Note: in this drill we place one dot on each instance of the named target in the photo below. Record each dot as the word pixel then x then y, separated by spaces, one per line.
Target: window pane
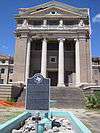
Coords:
pixel 2 70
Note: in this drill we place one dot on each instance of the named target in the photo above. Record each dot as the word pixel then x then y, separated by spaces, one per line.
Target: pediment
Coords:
pixel 53 11
pixel 53 6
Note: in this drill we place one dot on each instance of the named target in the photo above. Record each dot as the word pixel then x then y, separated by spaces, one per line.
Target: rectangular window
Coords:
pixel 3 61
pixel 10 80
pixel 96 71
pixel 52 59
pixel 35 22
pixel 1 81
pixel 53 22
pixel 11 70
pixel 2 70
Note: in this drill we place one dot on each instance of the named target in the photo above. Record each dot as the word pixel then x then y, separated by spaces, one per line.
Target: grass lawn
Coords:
pixel 7 113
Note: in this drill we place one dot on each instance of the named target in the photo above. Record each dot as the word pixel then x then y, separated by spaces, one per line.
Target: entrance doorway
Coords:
pixel 53 75
pixel 68 78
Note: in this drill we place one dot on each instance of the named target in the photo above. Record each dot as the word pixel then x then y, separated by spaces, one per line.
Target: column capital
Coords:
pixel 30 38
pixel 45 39
pixel 61 39
pixel 80 39
pixel 76 39
pixel 24 35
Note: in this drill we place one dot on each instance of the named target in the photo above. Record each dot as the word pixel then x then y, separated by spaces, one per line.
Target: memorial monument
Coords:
pixel 38 93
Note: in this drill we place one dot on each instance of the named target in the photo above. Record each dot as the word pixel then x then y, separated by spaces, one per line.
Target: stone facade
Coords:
pixel 20 58
pixel 85 62
pixel 6 69
pixel 4 64
pixel 61 36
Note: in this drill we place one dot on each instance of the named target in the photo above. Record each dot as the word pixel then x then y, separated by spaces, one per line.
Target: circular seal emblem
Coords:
pixel 38 78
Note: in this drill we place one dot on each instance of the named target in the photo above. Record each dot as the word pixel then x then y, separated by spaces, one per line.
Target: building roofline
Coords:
pixel 83 11
pixel 95 58
pixel 5 57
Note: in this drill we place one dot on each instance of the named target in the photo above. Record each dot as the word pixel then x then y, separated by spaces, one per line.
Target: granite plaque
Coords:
pixel 37 93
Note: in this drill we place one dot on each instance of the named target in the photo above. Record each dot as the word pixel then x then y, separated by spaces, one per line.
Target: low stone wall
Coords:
pixel 77 124
pixel 8 91
pixel 89 90
pixel 14 123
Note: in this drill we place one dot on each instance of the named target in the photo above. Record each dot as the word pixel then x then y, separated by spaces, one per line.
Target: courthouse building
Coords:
pixel 53 39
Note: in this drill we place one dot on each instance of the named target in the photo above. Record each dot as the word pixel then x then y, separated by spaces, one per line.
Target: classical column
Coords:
pixel 27 60
pixel 44 58
pixel 77 62
pixel 61 63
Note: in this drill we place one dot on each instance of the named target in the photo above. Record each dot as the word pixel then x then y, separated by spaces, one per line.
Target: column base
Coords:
pixel 77 84
pixel 61 85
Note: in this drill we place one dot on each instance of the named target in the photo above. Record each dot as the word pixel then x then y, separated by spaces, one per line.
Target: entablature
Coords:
pixel 50 16
pixel 53 34
pixel 54 28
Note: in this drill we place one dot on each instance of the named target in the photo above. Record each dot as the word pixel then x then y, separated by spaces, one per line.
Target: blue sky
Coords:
pixel 9 8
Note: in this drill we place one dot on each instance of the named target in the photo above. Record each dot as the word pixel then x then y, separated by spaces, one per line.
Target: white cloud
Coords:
pixel 96 18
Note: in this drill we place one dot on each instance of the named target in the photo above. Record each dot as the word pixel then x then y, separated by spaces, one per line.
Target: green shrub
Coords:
pixel 91 101
pixel 11 100
pixel 97 95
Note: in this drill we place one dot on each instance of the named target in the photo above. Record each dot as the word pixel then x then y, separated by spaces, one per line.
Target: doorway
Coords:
pixel 53 75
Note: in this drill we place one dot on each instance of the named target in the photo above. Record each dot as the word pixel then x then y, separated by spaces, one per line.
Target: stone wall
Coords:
pixel 85 61
pixel 96 75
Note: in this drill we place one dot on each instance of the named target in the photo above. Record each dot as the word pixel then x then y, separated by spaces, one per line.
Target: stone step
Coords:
pixel 63 97
pixel 5 93
pixel 3 90
pixel 5 96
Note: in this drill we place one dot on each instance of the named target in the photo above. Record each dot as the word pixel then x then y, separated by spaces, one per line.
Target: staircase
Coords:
pixel 5 91
pixel 67 97
pixel 62 97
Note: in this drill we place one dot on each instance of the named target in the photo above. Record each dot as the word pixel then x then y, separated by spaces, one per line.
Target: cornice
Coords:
pixel 81 11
